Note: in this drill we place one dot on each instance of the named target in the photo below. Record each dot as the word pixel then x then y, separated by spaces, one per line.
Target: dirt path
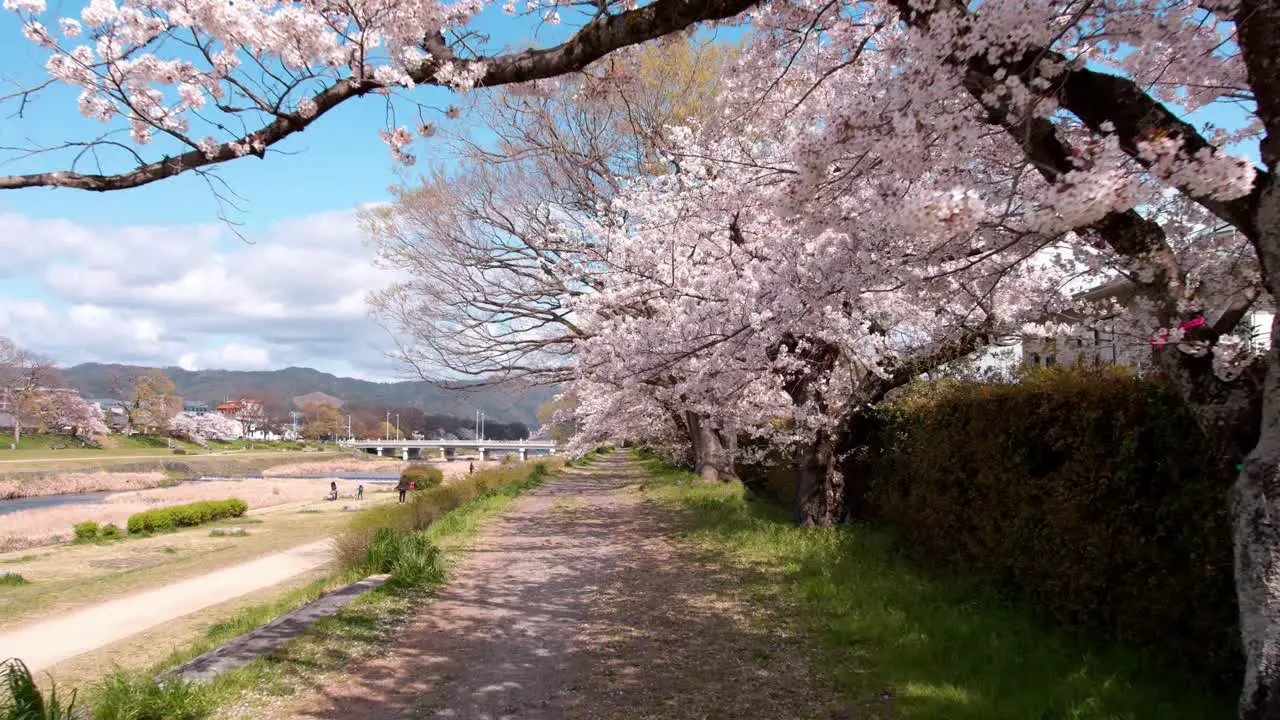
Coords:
pixel 577 605
pixel 51 641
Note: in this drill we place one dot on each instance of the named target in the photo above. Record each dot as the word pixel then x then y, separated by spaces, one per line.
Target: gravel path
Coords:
pixel 577 605
pixel 45 643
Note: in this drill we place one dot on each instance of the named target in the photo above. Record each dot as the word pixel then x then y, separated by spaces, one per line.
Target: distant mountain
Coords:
pixel 93 380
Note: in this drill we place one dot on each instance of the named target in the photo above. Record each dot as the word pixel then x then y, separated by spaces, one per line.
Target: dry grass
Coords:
pixel 345 465
pixel 74 483
pixel 41 526
pixel 76 575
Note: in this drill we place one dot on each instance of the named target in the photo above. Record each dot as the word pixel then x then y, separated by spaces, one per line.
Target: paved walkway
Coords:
pixel 45 643
pixel 577 605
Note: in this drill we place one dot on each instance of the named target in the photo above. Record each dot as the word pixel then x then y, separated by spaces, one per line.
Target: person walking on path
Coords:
pixel 360 491
pixel 403 487
pixel 471 468
pixel 333 489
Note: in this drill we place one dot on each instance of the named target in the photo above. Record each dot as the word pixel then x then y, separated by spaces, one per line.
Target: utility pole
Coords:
pixel 477 433
pixel 386 427
pixel 349 435
pixel 481 425
pixel 398 435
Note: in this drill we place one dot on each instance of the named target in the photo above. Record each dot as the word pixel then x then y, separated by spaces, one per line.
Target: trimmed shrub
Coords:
pixel 110 531
pixel 190 515
pixel 1091 493
pixel 424 477
pixel 85 531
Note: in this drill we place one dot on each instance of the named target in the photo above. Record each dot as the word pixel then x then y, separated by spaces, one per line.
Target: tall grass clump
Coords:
pixel 137 696
pixel 12 579
pixel 409 557
pixel 22 699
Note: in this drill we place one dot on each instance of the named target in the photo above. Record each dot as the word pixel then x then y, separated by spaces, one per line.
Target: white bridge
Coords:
pixel 412 449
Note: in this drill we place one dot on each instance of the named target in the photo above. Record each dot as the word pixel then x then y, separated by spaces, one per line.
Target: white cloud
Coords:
pixel 195 296
pixel 232 356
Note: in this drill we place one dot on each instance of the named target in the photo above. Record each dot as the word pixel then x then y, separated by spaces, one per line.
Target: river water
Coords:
pixel 43 501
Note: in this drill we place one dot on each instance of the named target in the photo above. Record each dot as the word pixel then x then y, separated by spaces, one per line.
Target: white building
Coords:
pixel 1100 345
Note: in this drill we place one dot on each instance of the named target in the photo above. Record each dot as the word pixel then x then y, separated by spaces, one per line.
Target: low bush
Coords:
pixel 86 531
pixel 409 557
pixel 1091 493
pixel 110 532
pixel 12 579
pixel 424 508
pixel 189 515
pixel 179 451
pixel 423 477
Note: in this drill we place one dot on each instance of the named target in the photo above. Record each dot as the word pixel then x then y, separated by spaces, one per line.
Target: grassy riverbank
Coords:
pixel 330 645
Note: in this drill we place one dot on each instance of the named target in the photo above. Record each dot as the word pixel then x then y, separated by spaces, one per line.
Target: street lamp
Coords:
pixel 386 427
pixel 482 425
pixel 398 435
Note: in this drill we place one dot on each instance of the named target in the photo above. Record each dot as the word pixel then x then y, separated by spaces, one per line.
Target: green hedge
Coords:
pixel 423 477
pixel 87 530
pixel 190 515
pixel 1091 493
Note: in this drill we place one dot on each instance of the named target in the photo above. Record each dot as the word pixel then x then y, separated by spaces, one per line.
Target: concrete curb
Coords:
pixel 260 641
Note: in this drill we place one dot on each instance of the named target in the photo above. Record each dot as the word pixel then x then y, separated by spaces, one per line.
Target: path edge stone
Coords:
pixel 241 651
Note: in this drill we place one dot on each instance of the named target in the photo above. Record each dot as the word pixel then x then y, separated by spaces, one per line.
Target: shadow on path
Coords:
pixel 575 605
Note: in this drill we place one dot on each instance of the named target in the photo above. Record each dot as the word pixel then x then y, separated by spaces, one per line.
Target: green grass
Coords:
pixel 11 579
pixel 22 559
pixel 942 648
pixel 358 630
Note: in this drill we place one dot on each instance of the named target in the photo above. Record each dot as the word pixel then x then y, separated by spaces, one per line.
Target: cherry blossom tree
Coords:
pixel 494 251
pixel 1001 144
pixel 83 419
pixel 209 426
pixel 25 381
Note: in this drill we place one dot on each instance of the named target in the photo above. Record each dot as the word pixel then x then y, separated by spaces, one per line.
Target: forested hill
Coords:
pixel 93 380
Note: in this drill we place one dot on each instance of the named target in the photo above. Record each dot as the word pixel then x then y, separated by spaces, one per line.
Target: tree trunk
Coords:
pixel 819 484
pixel 1255 498
pixel 1255 514
pixel 858 449
pixel 714 448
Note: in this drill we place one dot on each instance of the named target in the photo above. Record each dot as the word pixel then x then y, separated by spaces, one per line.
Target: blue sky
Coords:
pixel 150 275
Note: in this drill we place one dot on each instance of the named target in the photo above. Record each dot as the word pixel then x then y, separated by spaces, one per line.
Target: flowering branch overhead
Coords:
pixel 285 65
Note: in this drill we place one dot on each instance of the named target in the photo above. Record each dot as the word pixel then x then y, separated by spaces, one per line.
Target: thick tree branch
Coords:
pixel 1099 99
pixel 598 38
